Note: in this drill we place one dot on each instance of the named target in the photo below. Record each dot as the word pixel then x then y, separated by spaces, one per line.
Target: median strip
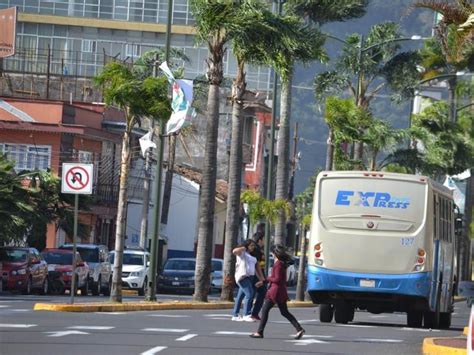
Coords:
pixel 144 306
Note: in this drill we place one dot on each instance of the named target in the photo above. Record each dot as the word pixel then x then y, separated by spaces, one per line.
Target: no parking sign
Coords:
pixel 77 178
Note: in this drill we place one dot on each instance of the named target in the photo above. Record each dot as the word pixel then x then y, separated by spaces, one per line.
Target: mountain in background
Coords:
pixel 309 113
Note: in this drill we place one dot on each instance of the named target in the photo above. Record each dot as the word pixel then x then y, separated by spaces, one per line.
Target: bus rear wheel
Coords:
pixel 326 312
pixel 445 320
pixel 414 319
pixel 343 313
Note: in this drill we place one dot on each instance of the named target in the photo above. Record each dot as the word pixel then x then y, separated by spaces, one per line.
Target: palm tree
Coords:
pixel 453 48
pixel 215 21
pixel 358 72
pixel 258 30
pixel 125 89
pixel 317 12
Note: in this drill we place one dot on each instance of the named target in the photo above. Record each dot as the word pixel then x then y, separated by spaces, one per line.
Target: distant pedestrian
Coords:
pixel 277 293
pixel 244 274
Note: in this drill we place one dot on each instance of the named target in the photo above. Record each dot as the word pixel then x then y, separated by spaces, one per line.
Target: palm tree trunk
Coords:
pixel 146 196
pixel 207 199
pixel 234 185
pixel 116 293
pixel 283 164
pixel 330 150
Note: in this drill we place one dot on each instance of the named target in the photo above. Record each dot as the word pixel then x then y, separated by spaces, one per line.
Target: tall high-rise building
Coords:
pixel 78 36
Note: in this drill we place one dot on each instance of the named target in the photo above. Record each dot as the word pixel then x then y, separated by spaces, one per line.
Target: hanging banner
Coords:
pixel 7 32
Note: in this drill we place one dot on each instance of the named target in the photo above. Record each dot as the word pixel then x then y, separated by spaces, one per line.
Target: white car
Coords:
pixel 217 274
pixel 134 269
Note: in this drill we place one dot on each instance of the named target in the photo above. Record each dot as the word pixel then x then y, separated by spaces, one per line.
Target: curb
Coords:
pixel 430 348
pixel 144 306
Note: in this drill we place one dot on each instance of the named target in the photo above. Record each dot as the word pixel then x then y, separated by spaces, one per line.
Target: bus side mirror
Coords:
pixel 458 224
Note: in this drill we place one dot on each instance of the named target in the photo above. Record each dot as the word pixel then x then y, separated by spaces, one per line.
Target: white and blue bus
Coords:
pixel 382 242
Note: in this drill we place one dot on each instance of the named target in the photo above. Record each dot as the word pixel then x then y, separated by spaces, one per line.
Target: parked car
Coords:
pixel 134 269
pixel 290 272
pixel 177 275
pixel 100 270
pixel 60 260
pixel 217 266
pixel 23 270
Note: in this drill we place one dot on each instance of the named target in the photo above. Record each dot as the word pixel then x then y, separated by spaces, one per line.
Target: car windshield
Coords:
pixel 216 265
pixel 183 265
pixel 89 255
pixel 129 259
pixel 13 255
pixel 58 258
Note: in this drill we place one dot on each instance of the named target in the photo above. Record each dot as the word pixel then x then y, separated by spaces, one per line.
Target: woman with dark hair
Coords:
pixel 244 275
pixel 277 293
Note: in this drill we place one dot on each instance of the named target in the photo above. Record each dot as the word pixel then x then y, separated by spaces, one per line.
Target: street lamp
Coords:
pixel 269 190
pixel 154 257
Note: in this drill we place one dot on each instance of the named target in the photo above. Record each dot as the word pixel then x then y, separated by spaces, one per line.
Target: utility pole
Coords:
pixel 146 190
pixel 271 154
pixel 154 260
pixel 291 229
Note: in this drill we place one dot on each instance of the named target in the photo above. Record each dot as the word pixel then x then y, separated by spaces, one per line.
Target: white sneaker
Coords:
pixel 248 318
pixel 237 319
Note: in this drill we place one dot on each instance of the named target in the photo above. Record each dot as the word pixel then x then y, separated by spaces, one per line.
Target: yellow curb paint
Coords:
pixel 143 306
pixel 430 348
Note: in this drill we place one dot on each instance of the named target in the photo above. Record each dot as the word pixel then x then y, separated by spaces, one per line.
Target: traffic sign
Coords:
pixel 77 178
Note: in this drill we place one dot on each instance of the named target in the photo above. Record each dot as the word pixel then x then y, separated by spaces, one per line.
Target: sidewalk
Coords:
pixel 446 346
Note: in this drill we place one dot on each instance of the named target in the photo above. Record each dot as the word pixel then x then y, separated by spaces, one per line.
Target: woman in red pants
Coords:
pixel 277 293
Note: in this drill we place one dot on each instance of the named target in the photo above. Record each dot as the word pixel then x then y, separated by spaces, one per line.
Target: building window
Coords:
pixel 28 157
pixel 88 46
pixel 85 157
pixel 132 50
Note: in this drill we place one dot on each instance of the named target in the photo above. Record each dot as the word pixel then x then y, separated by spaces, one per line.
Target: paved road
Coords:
pixel 24 331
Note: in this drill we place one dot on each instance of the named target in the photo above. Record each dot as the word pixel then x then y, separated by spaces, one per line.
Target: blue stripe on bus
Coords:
pixel 414 284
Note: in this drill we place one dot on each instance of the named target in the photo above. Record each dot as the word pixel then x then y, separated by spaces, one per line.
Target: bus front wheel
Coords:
pixel 445 320
pixel 326 312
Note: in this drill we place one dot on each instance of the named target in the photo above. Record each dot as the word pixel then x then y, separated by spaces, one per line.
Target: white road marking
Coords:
pixel 378 316
pixel 3 306
pixel 66 332
pixel 354 325
pixel 307 341
pixel 8 301
pixel 219 318
pixel 169 330
pixel 420 329
pixel 154 350
pixel 169 315
pixel 232 333
pixel 17 325
pixel 19 310
pixel 218 315
pixel 316 336
pixel 111 313
pixel 379 340
pixel 186 337
pixel 92 327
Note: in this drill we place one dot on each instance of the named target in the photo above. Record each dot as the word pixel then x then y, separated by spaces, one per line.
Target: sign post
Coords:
pixel 76 179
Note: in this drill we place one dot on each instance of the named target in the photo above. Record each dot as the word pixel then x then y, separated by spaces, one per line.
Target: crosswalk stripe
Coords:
pixel 92 327
pixel 169 330
pixel 154 350
pixel 17 325
pixel 186 337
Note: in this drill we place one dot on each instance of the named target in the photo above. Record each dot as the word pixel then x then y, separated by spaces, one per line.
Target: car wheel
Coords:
pixel 96 290
pixel 85 288
pixel 29 284
pixel 143 291
pixel 108 289
pixel 45 288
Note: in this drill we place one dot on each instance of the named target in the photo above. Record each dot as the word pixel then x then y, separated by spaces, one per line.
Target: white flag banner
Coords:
pixel 464 175
pixel 146 143
pixel 458 195
pixel 167 71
